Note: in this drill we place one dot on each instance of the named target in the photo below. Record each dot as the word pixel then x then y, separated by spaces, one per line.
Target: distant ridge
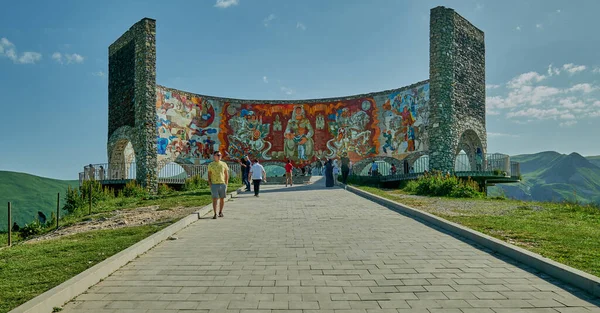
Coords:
pixel 28 195
pixel 551 176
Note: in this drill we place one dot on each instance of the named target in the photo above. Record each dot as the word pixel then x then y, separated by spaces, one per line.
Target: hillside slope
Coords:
pixel 551 176
pixel 595 159
pixel 28 195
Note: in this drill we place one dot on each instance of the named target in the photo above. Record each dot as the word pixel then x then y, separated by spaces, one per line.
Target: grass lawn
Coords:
pixel 27 271
pixel 198 198
pixel 566 233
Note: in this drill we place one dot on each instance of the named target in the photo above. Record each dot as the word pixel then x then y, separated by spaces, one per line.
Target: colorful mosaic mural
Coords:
pixel 191 127
pixel 300 132
pixel 184 127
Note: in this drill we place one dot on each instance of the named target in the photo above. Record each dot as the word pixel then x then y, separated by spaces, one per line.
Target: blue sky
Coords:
pixel 543 72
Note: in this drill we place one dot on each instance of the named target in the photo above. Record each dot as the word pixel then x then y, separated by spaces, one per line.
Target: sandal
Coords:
pixel 215 217
pixel 220 214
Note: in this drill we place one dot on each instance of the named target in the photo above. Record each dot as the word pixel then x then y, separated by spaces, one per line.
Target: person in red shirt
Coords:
pixel 288 173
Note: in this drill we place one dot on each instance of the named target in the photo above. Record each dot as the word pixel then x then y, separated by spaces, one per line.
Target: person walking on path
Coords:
pixel 329 173
pixel 288 173
pixel 218 178
pixel 245 163
pixel 258 175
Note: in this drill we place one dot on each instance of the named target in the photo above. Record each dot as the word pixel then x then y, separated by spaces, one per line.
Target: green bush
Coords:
pixel 134 190
pixel 361 180
pixel 194 183
pixel 235 180
pixel 73 201
pixel 437 184
pixel 31 229
pixel 164 189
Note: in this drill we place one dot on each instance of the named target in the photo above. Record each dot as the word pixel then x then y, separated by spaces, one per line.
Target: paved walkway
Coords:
pixel 309 249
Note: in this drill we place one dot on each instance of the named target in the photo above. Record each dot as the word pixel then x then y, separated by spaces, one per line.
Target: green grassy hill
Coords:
pixel 551 176
pixel 595 159
pixel 29 194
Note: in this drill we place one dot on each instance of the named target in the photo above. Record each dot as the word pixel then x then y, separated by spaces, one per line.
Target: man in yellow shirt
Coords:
pixel 218 178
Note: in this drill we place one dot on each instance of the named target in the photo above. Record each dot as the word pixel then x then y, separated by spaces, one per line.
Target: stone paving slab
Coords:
pixel 307 249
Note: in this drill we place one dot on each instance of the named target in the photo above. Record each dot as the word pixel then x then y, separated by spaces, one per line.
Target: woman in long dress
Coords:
pixel 329 174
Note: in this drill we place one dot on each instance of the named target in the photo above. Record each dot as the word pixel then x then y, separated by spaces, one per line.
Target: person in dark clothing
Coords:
pixel 345 168
pixel 329 174
pixel 245 163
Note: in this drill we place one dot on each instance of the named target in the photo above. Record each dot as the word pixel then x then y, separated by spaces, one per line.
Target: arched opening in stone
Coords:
pixel 421 164
pixel 171 172
pixel 383 167
pixel 274 170
pixel 122 161
pixel 473 155
pixel 462 162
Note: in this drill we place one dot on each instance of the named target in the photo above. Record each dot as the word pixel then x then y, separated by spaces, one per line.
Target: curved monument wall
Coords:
pixel 391 123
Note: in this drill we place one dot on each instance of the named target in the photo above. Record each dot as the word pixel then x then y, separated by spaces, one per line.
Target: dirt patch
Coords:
pixel 119 219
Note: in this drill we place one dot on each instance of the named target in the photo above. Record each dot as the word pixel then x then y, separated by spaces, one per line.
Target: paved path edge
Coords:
pixel 567 274
pixel 67 291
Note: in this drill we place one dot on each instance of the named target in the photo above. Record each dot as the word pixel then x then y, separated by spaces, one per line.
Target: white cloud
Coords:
pixel 268 19
pixel 491 112
pixel 8 49
pixel 478 7
pixel 265 79
pixel 596 70
pixel 69 58
pixel 558 11
pixel 538 113
pixel 491 86
pixel 223 4
pixel 571 103
pixel 99 74
pixel 501 135
pixel 553 70
pixel 585 88
pixel 74 58
pixel 287 91
pixel 57 57
pixel 596 103
pixel 300 26
pixel 539 26
pixel 525 79
pixel 568 123
pixel 572 68
pixel 29 58
pixel 518 28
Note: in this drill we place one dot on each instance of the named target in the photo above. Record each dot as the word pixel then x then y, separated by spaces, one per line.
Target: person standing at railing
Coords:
pixel 101 173
pixel 218 178
pixel 394 169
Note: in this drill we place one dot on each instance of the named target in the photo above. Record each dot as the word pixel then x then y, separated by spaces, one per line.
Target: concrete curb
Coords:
pixel 567 274
pixel 65 292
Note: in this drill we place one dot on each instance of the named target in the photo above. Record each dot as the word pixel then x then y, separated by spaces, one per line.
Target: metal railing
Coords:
pixel 169 173
pixel 491 164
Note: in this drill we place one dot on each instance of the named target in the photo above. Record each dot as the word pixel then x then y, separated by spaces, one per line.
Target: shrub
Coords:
pixel 164 189
pixel 31 229
pixel 73 201
pixel 437 184
pixel 194 183
pixel 235 180
pixel 134 190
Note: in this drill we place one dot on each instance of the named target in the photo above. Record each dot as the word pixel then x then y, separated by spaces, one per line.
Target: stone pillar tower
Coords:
pixel 132 104
pixel 457 89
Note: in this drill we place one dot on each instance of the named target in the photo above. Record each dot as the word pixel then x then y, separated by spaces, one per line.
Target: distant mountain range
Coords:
pixel 551 176
pixel 29 194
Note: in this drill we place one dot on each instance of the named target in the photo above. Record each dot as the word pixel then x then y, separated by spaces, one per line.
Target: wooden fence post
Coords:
pixel 57 209
pixel 9 226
